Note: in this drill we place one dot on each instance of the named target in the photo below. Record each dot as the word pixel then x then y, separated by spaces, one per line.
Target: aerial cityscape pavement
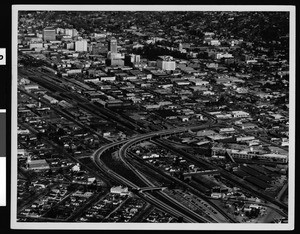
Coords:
pixel 153 117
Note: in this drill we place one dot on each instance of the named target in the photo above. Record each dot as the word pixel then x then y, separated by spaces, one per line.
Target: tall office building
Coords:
pixel 49 34
pixel 113 57
pixel 81 45
pixel 112 45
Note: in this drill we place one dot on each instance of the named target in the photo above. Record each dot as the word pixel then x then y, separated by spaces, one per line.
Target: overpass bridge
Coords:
pixel 150 189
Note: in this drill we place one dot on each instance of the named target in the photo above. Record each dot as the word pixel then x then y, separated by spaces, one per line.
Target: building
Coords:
pixel 22 152
pixel 208 34
pixel 214 43
pixel 71 32
pixel 76 168
pixel 81 46
pixel 50 99
pixel 223 55
pixel 182 82
pixel 151 156
pixel 112 45
pixel 36 45
pixel 49 34
pixel 240 114
pixel 249 153
pixel 74 71
pixel 183 118
pixel 131 59
pixel 217 195
pixel 226 130
pixel 108 78
pixel 30 87
pixel 166 63
pixel 40 164
pixel 113 57
pixel 96 48
pixel 212 65
pixel 200 82
pixel 119 190
pixel 82 194
pixel 115 62
pixel 70 46
pixel 245 138
pixel 248 126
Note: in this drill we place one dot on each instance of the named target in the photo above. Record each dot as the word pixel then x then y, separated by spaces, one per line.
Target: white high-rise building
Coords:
pixel 81 45
pixel 166 63
pixel 71 32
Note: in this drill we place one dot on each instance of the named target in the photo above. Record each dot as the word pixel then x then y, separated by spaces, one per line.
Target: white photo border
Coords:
pixel 158 226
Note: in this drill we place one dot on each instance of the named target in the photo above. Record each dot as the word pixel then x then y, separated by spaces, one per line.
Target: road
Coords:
pixel 51 82
pixel 122 155
pixel 185 186
pixel 148 136
pixel 124 181
pixel 125 144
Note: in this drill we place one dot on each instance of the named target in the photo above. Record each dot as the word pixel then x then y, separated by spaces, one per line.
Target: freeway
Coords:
pixel 122 156
pixel 226 174
pixel 123 153
pixel 183 185
pixel 51 82
pixel 97 159
pixel 149 183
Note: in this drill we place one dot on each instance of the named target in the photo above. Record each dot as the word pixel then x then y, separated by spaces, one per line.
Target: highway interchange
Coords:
pixel 158 198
